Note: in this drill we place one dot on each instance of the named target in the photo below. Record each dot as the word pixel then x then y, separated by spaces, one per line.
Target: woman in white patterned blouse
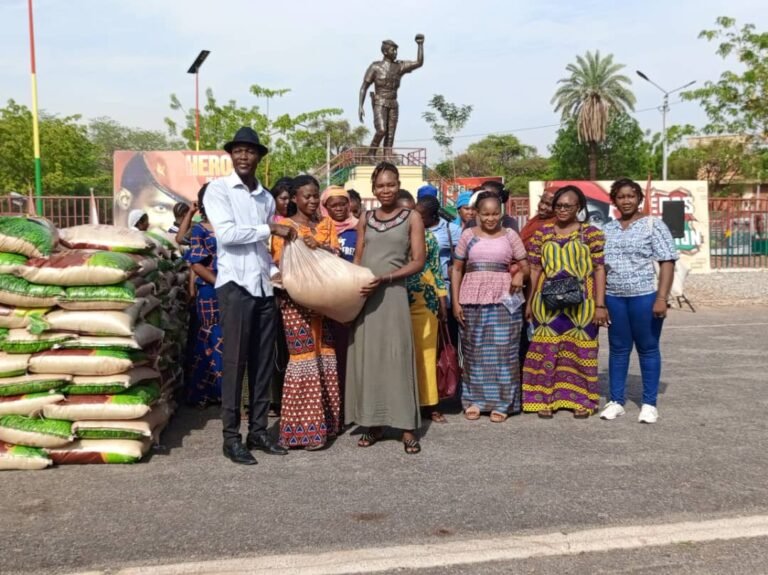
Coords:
pixel 637 307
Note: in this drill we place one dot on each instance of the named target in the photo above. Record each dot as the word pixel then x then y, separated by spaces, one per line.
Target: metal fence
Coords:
pixel 737 233
pixel 63 211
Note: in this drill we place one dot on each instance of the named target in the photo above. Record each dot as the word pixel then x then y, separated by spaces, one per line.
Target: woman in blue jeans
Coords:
pixel 636 307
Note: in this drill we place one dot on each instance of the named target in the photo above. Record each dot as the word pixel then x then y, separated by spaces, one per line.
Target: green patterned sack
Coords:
pixel 79 268
pixel 21 341
pixel 130 404
pixel 32 383
pixel 21 457
pixel 12 365
pixel 29 404
pixel 113 297
pixel 35 432
pixel 110 384
pixel 26 236
pixel 10 263
pixel 19 292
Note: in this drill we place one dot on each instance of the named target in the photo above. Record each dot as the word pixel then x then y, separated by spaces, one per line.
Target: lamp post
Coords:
pixel 35 123
pixel 664 110
pixel 195 69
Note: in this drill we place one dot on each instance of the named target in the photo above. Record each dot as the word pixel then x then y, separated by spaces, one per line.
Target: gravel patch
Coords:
pixel 728 288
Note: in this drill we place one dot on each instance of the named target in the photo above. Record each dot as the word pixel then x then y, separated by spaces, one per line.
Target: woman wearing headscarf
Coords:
pixel 138 219
pixel 466 212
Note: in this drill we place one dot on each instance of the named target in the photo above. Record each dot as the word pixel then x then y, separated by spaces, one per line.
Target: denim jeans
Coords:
pixel 633 324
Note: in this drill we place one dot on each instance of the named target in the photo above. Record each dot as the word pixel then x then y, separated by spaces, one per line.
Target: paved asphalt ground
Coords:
pixel 705 459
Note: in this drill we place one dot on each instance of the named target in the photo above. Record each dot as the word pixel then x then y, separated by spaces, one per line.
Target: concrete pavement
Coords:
pixel 704 460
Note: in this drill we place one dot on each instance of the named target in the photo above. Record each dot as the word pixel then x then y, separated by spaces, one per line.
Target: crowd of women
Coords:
pixel 525 308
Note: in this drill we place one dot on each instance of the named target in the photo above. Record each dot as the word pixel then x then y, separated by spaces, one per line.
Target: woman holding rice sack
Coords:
pixel 310 408
pixel 207 360
pixel 490 327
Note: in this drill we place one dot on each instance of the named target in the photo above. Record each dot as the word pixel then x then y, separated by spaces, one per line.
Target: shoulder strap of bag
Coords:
pixel 450 243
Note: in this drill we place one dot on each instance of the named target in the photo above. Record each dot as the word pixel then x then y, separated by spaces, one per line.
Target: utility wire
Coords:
pixel 528 129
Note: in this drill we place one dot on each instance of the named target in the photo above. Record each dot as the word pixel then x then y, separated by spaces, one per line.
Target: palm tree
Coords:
pixel 592 93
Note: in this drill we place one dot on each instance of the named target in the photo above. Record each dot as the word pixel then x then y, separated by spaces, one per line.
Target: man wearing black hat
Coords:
pixel 241 213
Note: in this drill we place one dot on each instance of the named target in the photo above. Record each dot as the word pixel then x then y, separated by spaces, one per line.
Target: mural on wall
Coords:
pixel 694 194
pixel 156 181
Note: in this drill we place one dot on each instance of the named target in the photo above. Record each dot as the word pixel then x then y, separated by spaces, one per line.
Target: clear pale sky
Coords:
pixel 122 58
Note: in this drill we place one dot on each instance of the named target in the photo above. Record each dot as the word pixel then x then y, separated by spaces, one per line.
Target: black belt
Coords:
pixel 487 267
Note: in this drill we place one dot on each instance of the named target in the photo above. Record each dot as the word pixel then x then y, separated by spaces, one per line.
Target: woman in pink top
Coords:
pixel 490 332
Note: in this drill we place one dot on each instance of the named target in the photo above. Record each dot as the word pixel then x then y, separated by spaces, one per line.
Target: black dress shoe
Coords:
pixel 237 453
pixel 265 443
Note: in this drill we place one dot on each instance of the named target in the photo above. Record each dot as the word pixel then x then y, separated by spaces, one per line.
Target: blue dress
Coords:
pixel 348 244
pixel 205 369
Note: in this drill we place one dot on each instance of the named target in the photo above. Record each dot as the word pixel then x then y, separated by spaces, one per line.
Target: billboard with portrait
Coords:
pixel 156 181
pixel 694 194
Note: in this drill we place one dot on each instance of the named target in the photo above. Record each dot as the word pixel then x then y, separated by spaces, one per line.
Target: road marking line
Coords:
pixel 666 327
pixel 467 552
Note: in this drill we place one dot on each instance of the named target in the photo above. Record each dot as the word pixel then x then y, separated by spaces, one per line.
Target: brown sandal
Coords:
pixel 545 414
pixel 498 417
pixel 438 417
pixel 472 413
pixel 581 413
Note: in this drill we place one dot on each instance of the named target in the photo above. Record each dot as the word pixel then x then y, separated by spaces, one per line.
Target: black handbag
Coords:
pixel 558 294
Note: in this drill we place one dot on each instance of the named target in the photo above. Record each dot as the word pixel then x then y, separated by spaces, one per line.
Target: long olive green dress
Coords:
pixel 382 388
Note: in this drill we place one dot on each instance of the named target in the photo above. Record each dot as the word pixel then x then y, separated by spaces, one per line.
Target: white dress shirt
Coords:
pixel 240 218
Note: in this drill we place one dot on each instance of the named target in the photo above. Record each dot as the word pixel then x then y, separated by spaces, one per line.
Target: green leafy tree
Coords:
pixel 109 136
pixel 446 120
pixel 624 152
pixel 738 102
pixel 285 135
pixel 499 155
pixel 722 161
pixel 589 96
pixel 69 158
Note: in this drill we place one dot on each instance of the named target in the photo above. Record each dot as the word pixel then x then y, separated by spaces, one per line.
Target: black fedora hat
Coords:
pixel 246 135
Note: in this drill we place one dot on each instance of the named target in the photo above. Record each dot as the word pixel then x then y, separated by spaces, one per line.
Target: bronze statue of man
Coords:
pixel 385 76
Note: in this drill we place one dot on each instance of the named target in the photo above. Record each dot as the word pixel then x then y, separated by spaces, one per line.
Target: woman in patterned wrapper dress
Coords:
pixel 205 370
pixel 310 405
pixel 560 370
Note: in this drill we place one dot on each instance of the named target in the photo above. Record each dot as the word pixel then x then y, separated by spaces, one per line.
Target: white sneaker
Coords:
pixel 648 414
pixel 612 410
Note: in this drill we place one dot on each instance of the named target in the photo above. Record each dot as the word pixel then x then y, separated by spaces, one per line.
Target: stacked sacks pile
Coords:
pixel 79 377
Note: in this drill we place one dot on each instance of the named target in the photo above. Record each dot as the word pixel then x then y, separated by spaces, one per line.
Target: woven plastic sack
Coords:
pixel 85 298
pixel 35 432
pixel 20 293
pixel 90 451
pixel 323 282
pixel 79 268
pixel 103 237
pixel 32 383
pixel 31 237
pixel 111 323
pixel 21 341
pixel 29 404
pixel 85 361
pixel 109 384
pixel 130 404
pixel 10 263
pixel 13 365
pixel 147 426
pixel 144 337
pixel 12 316
pixel 21 457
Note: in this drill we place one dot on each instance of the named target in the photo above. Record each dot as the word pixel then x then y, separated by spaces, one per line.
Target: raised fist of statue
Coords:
pixel 419 38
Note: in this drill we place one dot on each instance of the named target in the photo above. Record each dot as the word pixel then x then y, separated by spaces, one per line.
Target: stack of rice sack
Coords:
pixel 78 360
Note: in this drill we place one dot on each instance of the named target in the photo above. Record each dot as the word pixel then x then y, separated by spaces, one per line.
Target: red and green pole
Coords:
pixel 35 124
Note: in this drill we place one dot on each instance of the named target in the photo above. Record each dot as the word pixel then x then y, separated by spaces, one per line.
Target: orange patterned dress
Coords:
pixel 310 410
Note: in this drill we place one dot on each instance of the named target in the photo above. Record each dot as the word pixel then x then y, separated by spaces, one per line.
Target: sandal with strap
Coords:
pixel 411 446
pixel 438 417
pixel 472 413
pixel 498 417
pixel 369 438
pixel 582 413
pixel 545 413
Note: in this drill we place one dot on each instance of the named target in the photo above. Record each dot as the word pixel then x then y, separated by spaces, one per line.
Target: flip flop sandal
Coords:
pixel 498 417
pixel 438 417
pixel 368 439
pixel 472 413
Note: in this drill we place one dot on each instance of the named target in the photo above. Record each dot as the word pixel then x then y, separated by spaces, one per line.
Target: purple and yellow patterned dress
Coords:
pixel 560 370
pixel 205 369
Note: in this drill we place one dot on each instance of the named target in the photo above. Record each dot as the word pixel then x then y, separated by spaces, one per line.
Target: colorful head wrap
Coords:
pixel 337 192
pixel 463 200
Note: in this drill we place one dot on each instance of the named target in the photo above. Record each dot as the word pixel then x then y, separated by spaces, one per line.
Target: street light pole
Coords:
pixel 664 110
pixel 195 69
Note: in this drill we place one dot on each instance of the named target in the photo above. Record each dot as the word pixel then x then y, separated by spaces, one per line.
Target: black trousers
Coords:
pixel 249 327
